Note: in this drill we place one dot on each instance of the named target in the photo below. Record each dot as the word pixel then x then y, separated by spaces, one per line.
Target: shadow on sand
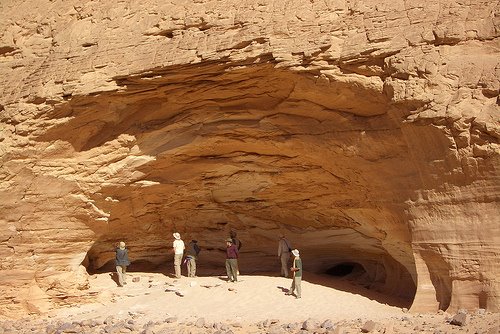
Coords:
pixel 329 281
pixel 357 289
pixel 344 285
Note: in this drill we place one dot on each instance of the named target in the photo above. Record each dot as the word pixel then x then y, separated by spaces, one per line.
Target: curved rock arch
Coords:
pixel 260 155
pixel 368 131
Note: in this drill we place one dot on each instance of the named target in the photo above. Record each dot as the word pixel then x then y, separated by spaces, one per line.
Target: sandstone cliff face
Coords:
pixel 367 131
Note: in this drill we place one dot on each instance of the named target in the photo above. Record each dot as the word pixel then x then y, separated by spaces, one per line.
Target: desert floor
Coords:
pixel 157 303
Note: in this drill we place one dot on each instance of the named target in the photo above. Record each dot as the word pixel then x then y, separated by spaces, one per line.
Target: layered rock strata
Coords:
pixel 367 131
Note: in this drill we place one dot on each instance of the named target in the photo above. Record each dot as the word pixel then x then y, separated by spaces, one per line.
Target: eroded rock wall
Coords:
pixel 367 131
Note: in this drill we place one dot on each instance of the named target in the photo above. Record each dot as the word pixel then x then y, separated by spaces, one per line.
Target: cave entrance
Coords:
pixel 346 269
pixel 372 282
pixel 140 265
pixel 187 148
pixel 144 254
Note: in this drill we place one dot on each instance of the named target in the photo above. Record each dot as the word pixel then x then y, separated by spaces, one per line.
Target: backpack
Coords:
pixel 237 243
pixel 288 246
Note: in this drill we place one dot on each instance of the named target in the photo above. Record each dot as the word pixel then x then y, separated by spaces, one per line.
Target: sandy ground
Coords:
pixel 251 299
pixel 156 303
pixel 255 304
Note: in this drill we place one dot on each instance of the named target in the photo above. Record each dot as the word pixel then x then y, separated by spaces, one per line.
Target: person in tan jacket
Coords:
pixel 284 249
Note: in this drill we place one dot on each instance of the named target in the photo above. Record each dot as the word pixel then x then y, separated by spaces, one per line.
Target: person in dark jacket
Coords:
pixel 235 240
pixel 121 262
pixel 191 256
pixel 231 261
pixel 237 243
pixel 284 250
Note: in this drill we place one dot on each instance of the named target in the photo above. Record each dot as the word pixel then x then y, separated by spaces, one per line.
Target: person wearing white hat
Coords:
pixel 121 262
pixel 178 248
pixel 297 274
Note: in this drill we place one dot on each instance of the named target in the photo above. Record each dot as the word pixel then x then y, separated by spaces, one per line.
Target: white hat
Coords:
pixel 177 235
pixel 295 252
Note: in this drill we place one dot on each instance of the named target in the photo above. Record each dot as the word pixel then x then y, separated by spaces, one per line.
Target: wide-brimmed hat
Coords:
pixel 122 245
pixel 229 240
pixel 177 235
pixel 295 252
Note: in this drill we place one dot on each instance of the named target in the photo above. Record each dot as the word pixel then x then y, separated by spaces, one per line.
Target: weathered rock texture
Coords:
pixel 368 131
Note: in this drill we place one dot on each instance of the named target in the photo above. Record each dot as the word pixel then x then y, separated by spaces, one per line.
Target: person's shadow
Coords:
pixel 114 277
pixel 223 278
pixel 283 289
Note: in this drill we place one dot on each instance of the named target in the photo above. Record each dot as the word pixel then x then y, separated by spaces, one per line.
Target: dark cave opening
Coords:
pixel 139 265
pixel 100 258
pixel 345 269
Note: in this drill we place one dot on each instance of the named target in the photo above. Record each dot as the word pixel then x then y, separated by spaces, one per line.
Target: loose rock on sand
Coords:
pixel 257 304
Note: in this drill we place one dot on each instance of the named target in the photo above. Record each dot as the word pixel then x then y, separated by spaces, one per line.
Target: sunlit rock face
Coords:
pixel 366 131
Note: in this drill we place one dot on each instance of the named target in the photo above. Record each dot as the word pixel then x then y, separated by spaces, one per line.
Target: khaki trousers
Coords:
pixel 177 265
pixel 191 266
pixel 285 258
pixel 122 274
pixel 296 286
pixel 232 269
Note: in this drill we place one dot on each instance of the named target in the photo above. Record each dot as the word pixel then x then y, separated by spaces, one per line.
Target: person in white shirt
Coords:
pixel 178 248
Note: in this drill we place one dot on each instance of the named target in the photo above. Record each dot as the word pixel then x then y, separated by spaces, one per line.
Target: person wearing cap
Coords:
pixel 121 262
pixel 231 261
pixel 235 240
pixel 178 249
pixel 191 255
pixel 284 250
pixel 297 274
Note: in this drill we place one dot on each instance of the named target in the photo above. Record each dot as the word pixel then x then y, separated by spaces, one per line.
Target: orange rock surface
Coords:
pixel 366 131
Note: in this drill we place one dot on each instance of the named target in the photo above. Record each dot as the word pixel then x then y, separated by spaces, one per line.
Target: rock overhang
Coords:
pixel 427 91
pixel 212 145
